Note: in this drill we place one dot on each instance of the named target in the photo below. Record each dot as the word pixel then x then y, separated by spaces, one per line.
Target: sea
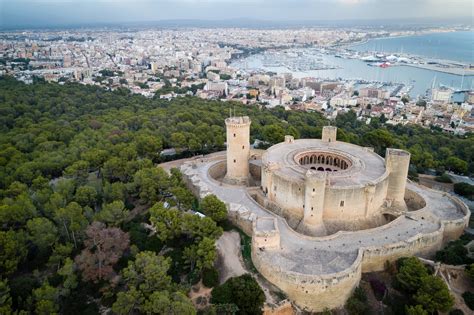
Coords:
pixel 456 46
pixel 419 79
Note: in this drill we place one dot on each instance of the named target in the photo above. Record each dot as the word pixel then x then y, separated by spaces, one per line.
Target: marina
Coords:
pixel 344 65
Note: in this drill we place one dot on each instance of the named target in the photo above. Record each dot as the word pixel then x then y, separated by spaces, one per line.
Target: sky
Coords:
pixel 66 12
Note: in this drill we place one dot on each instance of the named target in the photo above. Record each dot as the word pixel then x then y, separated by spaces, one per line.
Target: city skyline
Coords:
pixel 44 13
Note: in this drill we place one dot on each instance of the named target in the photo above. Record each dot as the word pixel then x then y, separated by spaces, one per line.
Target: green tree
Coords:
pixel 114 191
pixel 65 188
pixel 167 222
pixel 149 288
pixel 73 220
pixel 16 211
pixel 115 169
pixel 148 146
pixel 415 310
pixel 197 228
pixel 59 255
pixel 78 171
pixel 42 232
pixel 210 277
pixel 357 303
pixel 5 298
pixel 69 277
pixel 150 184
pixel 12 250
pixel 434 295
pixel 214 208
pixel 456 165
pixel 113 213
pixel 242 291
pixel 86 196
pixel 178 140
pixel 410 274
pixel 465 190
pixel 470 271
pixel 273 133
pixel 162 302
pixel 46 298
pixel 201 255
pixel 184 198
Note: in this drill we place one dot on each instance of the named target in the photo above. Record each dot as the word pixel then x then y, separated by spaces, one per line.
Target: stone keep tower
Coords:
pixel 397 163
pixel 314 193
pixel 238 150
pixel 329 134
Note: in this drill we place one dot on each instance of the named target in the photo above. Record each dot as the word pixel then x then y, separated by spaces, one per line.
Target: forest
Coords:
pixel 87 220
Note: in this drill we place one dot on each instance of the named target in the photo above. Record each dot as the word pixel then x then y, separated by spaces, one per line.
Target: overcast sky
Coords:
pixel 63 12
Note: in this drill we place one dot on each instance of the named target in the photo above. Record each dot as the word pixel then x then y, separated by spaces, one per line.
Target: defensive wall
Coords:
pixel 294 197
pixel 315 290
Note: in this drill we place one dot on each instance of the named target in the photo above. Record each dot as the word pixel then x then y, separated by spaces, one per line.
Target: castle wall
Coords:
pixel 311 292
pixel 356 203
pixel 287 194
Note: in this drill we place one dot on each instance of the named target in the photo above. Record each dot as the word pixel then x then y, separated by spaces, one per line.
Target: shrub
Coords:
pixel 242 291
pixel 455 253
pixel 210 277
pixel 470 271
pixel 357 303
pixel 443 178
pixel 469 299
pixel 465 190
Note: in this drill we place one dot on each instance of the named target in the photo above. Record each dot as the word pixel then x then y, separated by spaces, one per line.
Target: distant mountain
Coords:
pixel 260 23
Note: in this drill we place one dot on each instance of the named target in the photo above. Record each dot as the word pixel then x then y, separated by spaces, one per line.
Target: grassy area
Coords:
pixel 246 248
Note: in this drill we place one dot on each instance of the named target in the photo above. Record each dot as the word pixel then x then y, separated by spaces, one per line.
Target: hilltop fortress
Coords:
pixel 321 212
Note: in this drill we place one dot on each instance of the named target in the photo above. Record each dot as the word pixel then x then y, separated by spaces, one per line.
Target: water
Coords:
pixel 458 46
pixel 421 79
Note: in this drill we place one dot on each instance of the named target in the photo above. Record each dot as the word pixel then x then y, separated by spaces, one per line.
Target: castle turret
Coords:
pixel 315 188
pixel 238 150
pixel 329 134
pixel 397 163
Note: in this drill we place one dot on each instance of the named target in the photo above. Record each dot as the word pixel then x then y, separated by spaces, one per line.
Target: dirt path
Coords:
pixel 229 262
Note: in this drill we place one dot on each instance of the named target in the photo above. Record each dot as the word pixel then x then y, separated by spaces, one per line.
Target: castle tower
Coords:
pixel 329 134
pixel 315 187
pixel 397 163
pixel 238 150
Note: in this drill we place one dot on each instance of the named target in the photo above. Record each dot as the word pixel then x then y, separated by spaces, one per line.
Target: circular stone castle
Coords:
pixel 321 212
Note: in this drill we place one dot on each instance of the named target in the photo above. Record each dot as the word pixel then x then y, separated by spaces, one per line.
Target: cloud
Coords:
pixel 47 12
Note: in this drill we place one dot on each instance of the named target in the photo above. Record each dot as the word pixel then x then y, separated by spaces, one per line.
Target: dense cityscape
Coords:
pixel 236 157
pixel 176 63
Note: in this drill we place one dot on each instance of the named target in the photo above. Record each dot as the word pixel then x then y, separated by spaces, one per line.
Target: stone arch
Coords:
pixel 328 169
pixel 320 168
